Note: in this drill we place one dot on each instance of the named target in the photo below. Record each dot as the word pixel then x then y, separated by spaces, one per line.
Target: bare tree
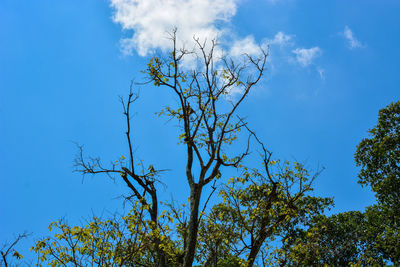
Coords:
pixel 206 115
pixel 142 185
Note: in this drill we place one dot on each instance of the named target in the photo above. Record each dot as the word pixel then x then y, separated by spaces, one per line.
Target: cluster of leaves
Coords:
pixel 129 240
pixel 256 209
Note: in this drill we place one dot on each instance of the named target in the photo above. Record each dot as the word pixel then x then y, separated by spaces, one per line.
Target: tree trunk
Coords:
pixel 190 249
pixel 160 259
pixel 255 248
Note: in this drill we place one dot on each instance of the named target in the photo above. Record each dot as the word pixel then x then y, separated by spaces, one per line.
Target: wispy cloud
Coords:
pixel 321 73
pixel 279 39
pixel 247 45
pixel 351 39
pixel 152 20
pixel 306 56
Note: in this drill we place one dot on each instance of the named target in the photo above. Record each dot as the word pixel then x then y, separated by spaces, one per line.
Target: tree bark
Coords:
pixel 190 249
pixel 255 248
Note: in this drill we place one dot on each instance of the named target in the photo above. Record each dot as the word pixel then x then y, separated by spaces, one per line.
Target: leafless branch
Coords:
pixel 6 248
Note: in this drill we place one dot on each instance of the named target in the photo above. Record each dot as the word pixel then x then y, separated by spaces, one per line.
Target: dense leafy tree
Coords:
pixel 379 157
pixel 338 240
pixel 356 238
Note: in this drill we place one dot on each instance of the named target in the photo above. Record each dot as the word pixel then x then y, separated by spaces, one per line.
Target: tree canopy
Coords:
pixel 366 238
pixel 379 159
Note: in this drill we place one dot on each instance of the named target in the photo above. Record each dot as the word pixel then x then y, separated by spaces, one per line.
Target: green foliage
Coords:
pixel 127 241
pixel 338 240
pixel 383 232
pixel 17 255
pixel 251 205
pixel 255 211
pixel 370 238
pixel 379 156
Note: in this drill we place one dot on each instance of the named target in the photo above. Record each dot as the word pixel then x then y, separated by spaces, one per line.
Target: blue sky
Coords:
pixel 63 64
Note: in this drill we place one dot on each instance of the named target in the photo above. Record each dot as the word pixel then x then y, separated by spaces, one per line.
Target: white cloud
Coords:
pixel 149 23
pixel 280 39
pixel 249 46
pixel 152 20
pixel 246 45
pixel 352 41
pixel 305 56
